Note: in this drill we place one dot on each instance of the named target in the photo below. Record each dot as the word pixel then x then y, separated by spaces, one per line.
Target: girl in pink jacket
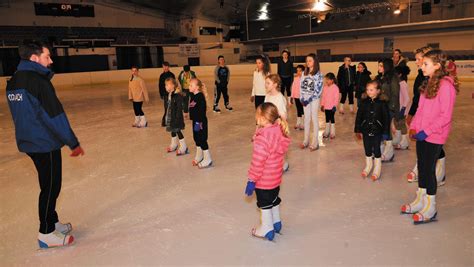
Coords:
pixel 430 127
pixel 329 101
pixel 270 145
pixel 295 97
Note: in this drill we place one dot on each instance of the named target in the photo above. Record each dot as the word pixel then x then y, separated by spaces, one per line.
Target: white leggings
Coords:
pixel 311 114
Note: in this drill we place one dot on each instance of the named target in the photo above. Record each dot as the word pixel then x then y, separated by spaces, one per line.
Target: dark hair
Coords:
pixel 186 68
pixel 266 64
pixel 31 47
pixel 377 85
pixel 388 71
pixel 315 67
pixel 219 57
pixel 403 71
pixel 133 67
pixel 286 51
pixel 398 50
pixel 347 56
pixel 165 63
pixel 330 76
pixel 365 68
pixel 301 67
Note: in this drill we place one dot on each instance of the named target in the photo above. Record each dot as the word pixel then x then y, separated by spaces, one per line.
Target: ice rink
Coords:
pixel 131 203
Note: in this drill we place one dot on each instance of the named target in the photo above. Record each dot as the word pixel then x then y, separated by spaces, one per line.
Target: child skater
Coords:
pixel 258 88
pixel 197 112
pixel 174 117
pixel 372 125
pixel 329 100
pixel 311 89
pixel 272 87
pixel 222 77
pixel 430 127
pixel 295 97
pixel 137 93
pixel 400 138
pixel 270 145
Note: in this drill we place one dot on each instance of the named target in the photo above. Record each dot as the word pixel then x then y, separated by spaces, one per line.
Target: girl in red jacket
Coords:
pixel 270 145
pixel 430 127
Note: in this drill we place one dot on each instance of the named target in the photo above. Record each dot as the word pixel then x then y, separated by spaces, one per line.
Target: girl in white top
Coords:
pixel 258 89
pixel 311 89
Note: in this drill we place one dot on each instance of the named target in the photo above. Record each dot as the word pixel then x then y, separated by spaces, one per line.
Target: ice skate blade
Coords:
pixel 432 219
pixel 182 154
pixel 268 236
pixel 205 167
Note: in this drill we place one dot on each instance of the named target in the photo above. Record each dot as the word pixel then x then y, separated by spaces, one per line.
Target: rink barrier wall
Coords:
pixel 466 73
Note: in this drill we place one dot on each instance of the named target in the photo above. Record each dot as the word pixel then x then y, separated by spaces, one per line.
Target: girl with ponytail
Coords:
pixel 270 144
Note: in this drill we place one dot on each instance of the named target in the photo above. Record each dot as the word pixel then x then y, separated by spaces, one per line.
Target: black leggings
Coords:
pixel 299 107
pixel 286 85
pixel 442 154
pixel 427 154
pixel 329 116
pixel 259 99
pixel 49 168
pixel 221 89
pixel 372 145
pixel 137 108
pixel 200 137
pixel 178 133
pixel 268 198
pixel 347 92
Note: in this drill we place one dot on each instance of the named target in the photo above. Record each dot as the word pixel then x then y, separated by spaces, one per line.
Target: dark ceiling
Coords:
pixel 234 11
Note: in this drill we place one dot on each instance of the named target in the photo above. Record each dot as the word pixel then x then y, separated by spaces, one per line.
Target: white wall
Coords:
pixel 22 13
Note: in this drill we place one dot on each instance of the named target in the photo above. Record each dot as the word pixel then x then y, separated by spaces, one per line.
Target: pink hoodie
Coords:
pixel 434 115
pixel 330 97
pixel 269 148
pixel 295 87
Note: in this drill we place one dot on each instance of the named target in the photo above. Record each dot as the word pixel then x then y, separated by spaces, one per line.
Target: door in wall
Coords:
pixel 193 61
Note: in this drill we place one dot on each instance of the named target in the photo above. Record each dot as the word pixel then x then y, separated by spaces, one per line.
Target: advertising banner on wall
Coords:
pixel 465 68
pixel 189 50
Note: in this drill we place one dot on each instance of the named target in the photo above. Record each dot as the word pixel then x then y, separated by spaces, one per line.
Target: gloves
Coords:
pixel 250 188
pixel 334 109
pixel 402 112
pixel 385 137
pixel 197 126
pixel 77 151
pixel 420 136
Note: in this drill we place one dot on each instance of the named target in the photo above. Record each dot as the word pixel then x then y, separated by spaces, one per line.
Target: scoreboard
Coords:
pixel 63 10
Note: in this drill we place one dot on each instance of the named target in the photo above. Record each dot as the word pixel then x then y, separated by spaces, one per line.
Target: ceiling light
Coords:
pixel 319 5
pixel 397 11
pixel 319 21
pixel 263 16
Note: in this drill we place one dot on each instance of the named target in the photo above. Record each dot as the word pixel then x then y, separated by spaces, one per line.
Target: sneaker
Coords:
pixel 216 109
pixel 229 108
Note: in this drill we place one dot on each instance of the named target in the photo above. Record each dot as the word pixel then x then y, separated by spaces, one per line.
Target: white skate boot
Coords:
pixel 417 204
pixel 207 161
pixel 199 157
pixel 369 163
pixel 276 219
pixel 136 123
pixel 377 169
pixel 143 123
pixel 428 213
pixel 333 131
pixel 404 142
pixel 413 175
pixel 182 149
pixel 388 153
pixel 327 130
pixel 65 228
pixel 54 239
pixel 173 146
pixel 265 229
pixel 397 137
pixel 441 171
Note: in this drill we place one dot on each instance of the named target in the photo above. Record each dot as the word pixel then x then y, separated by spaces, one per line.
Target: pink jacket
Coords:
pixel 295 87
pixel 434 115
pixel 404 98
pixel 330 97
pixel 269 149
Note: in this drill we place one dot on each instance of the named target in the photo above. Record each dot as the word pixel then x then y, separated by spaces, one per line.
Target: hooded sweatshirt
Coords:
pixel 269 149
pixel 311 87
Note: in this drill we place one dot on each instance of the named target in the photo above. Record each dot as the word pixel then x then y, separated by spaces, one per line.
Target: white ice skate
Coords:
pixel 276 219
pixel 65 228
pixel 369 162
pixel 199 157
pixel 428 213
pixel 174 145
pixel 416 205
pixel 397 137
pixel 136 123
pixel 377 169
pixel 207 161
pixel 327 130
pixel 413 175
pixel 333 131
pixel 265 229
pixel 441 171
pixel 388 152
pixel 404 142
pixel 182 148
pixel 54 239
pixel 143 122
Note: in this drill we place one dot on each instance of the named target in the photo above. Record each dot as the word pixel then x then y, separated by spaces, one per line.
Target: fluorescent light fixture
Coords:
pixel 319 5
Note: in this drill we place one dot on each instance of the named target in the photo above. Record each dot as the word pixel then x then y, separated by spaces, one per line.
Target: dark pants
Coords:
pixel 267 199
pixel 442 154
pixel 299 107
pixel 286 85
pixel 372 145
pixel 329 116
pixel 165 104
pixel 137 108
pixel 347 92
pixel 427 154
pixel 186 99
pixel 178 133
pixel 259 99
pixel 200 137
pixel 221 89
pixel 49 168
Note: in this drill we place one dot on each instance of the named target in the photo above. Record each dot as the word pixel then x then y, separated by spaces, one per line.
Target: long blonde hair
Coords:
pixel 269 111
pixel 431 87
pixel 177 87
pixel 201 88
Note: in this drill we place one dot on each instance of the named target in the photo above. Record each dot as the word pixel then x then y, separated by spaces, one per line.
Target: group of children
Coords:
pixel 380 121
pixel 382 107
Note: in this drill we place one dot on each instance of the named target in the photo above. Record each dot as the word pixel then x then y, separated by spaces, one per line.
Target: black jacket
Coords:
pixel 161 83
pixel 285 70
pixel 416 92
pixel 174 116
pixel 361 80
pixel 197 107
pixel 372 117
pixel 343 77
pixel 390 90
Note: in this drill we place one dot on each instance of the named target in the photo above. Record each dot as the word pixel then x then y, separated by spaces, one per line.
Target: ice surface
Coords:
pixel 133 204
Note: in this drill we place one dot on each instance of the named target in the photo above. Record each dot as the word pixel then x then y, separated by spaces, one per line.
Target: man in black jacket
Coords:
pixel 41 130
pixel 161 86
pixel 346 81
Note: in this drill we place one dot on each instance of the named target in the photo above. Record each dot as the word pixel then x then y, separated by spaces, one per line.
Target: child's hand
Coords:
pixel 252 98
pixel 78 151
pixel 197 126
pixel 411 134
pixel 250 188
pixel 358 136
pixel 292 101
pixel 322 108
pixel 186 116
pixel 420 136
